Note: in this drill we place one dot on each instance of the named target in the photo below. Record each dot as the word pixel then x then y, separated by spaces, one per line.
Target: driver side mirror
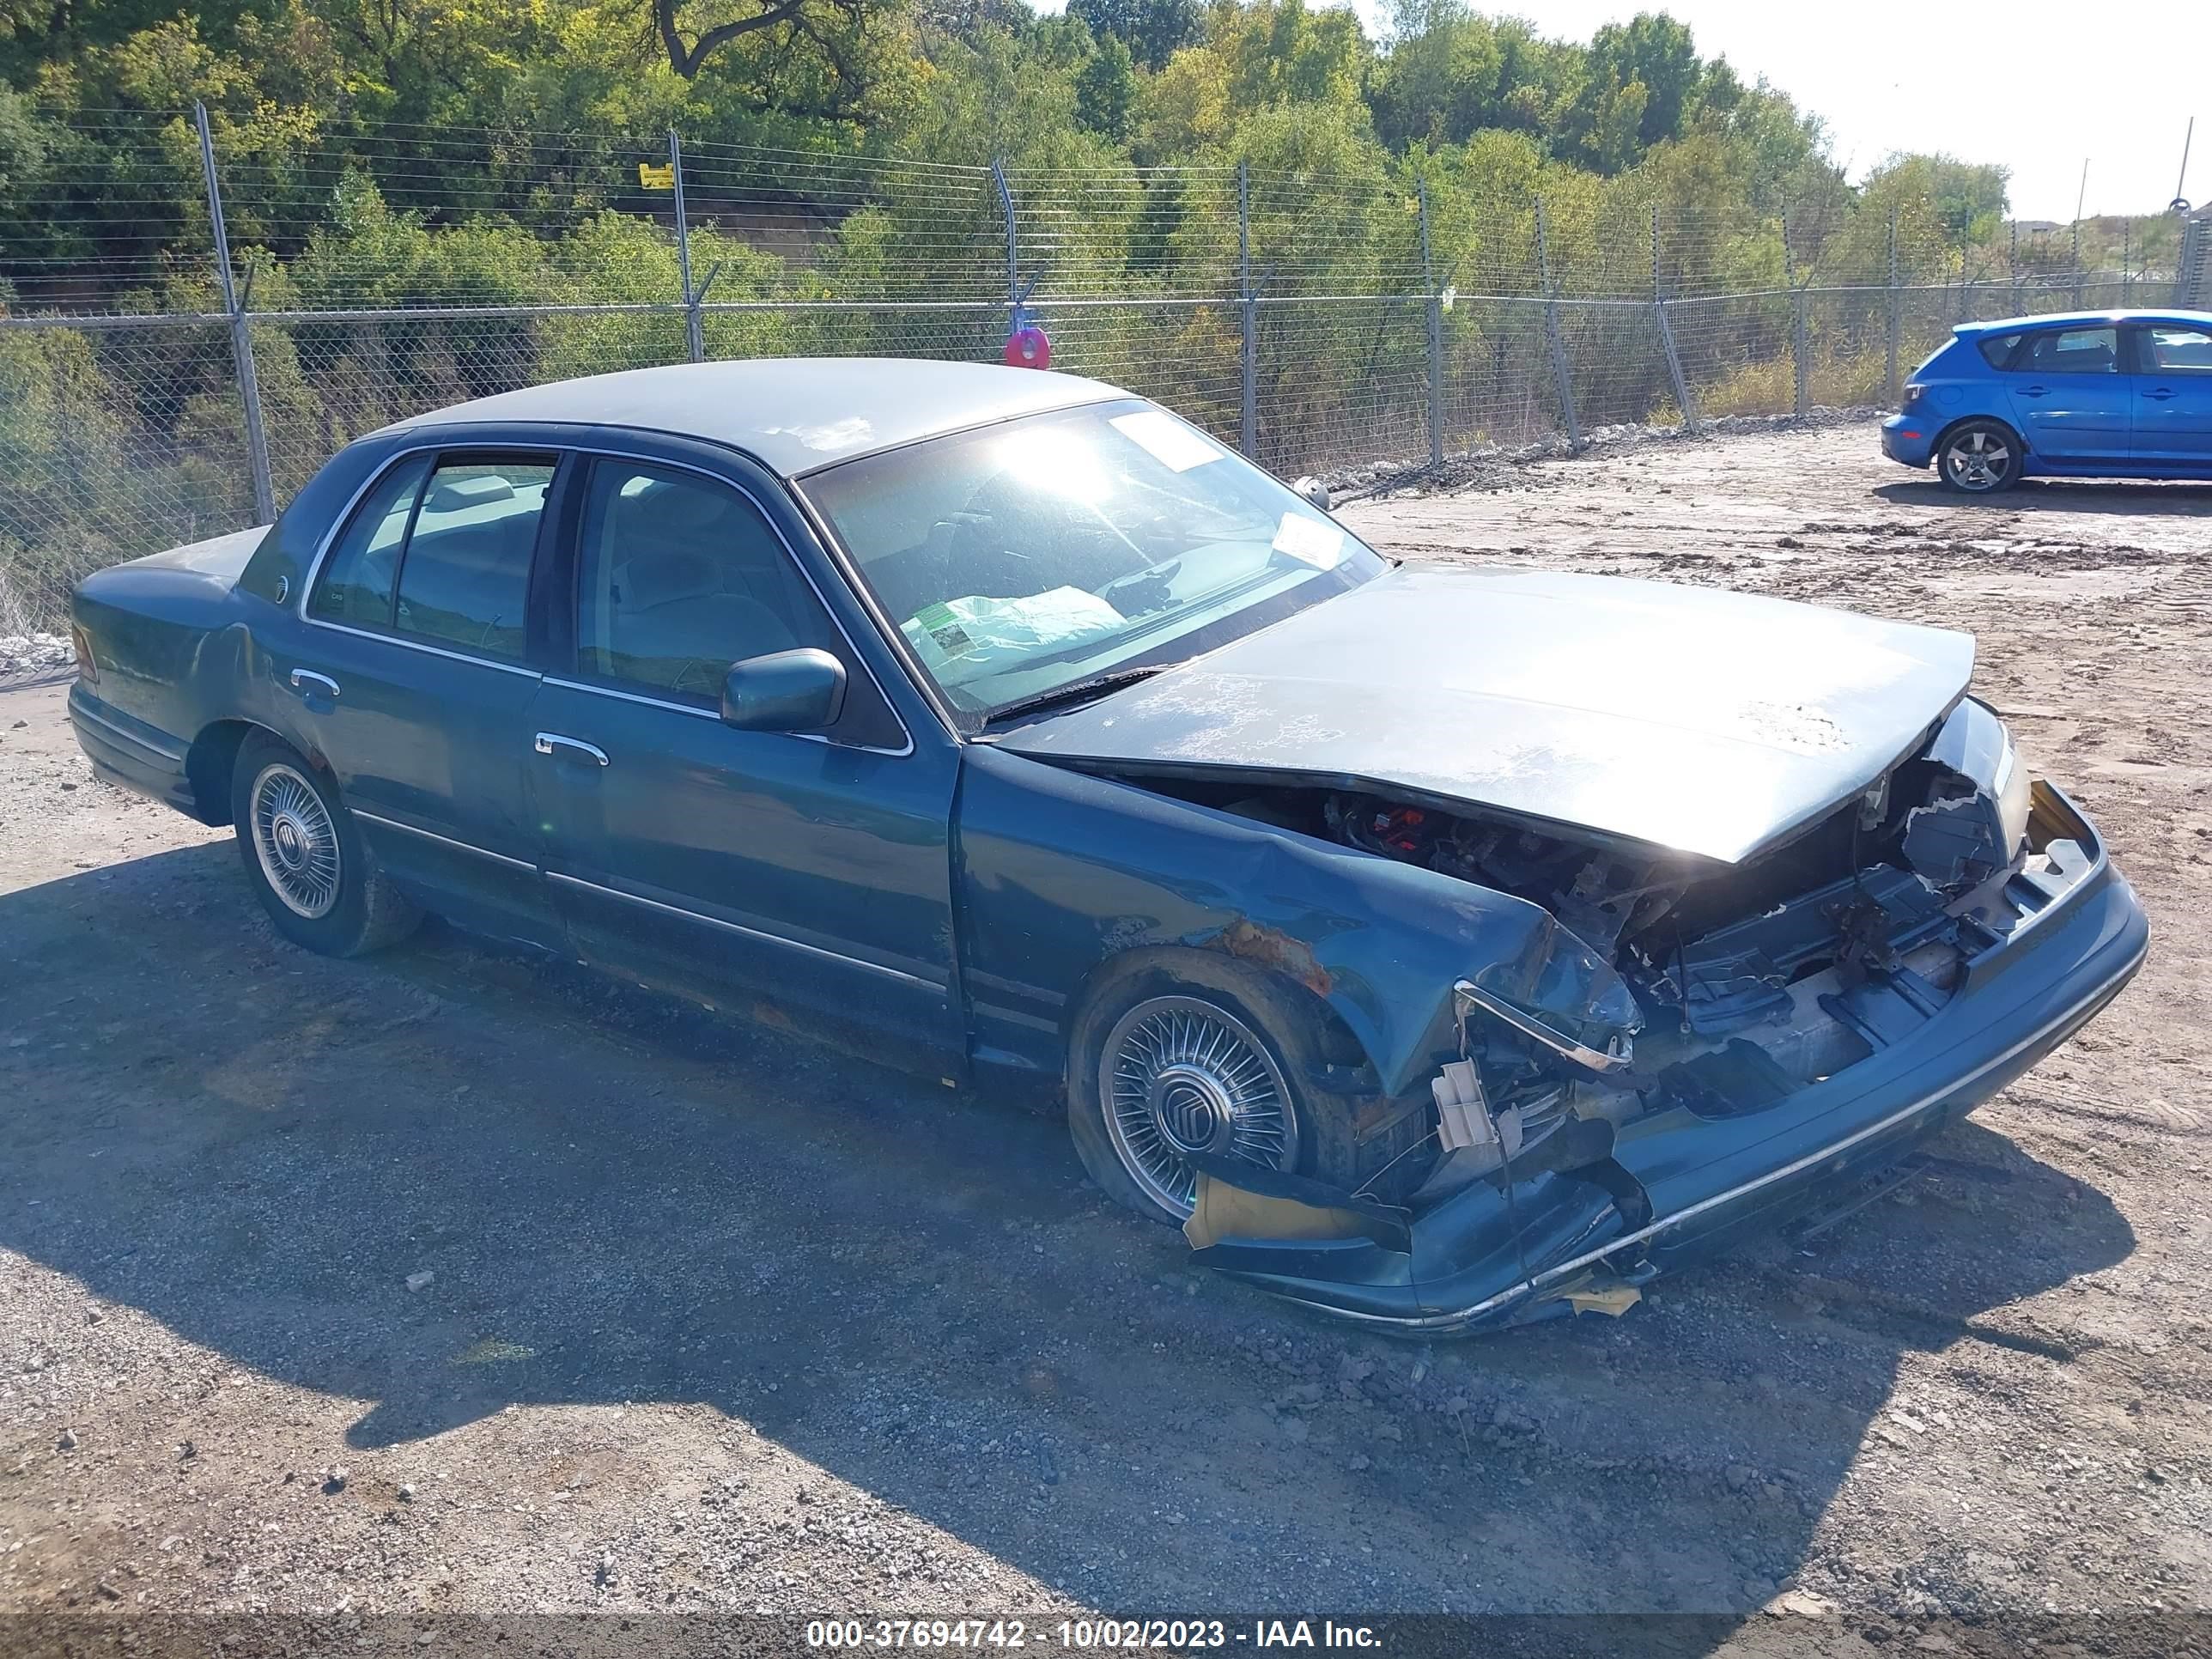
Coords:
pixel 1314 490
pixel 801 691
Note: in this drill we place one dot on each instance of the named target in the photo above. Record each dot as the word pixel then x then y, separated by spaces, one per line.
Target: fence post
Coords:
pixel 1435 310
pixel 1247 418
pixel 1013 248
pixel 695 326
pixel 1800 356
pixel 2127 263
pixel 1559 344
pixel 241 341
pixel 1896 328
pixel 1667 333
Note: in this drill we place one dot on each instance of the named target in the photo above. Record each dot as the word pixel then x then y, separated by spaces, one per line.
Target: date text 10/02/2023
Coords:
pixel 1172 1635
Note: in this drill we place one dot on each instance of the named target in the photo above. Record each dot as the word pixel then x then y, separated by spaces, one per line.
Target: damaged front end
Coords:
pixel 1693 1049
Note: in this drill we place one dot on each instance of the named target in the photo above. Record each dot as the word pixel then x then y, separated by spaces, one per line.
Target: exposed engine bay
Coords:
pixel 1738 984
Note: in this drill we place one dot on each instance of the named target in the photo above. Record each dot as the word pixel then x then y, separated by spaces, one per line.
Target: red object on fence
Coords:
pixel 1027 348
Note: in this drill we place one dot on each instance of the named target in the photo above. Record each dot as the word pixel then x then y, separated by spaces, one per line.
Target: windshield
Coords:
pixel 1041 553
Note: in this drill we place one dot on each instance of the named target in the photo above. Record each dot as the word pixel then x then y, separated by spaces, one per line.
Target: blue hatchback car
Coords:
pixel 2108 394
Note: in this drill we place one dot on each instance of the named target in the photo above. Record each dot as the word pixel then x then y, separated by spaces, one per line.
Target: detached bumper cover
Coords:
pixel 1475 1261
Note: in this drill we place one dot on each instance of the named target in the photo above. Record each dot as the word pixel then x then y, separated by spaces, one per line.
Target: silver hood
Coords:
pixel 1692 718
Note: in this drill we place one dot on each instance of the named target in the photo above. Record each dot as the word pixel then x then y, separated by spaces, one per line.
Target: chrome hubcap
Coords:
pixel 296 842
pixel 1980 460
pixel 1180 1076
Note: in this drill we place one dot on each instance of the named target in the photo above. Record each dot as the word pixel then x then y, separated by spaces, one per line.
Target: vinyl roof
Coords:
pixel 794 414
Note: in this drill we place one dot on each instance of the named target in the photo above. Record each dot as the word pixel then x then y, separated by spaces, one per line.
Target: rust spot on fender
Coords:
pixel 1272 948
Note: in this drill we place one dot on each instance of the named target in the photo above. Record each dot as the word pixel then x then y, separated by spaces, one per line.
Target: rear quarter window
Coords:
pixel 1998 349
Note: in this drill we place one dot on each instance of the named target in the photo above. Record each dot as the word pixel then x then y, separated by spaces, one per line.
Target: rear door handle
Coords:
pixel 2161 395
pixel 302 678
pixel 2034 391
pixel 551 743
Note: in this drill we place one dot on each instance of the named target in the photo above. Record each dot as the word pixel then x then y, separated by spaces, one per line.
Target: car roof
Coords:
pixel 2085 319
pixel 794 415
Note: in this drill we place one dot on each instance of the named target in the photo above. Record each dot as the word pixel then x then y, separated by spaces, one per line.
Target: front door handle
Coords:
pixel 2161 395
pixel 304 677
pixel 552 742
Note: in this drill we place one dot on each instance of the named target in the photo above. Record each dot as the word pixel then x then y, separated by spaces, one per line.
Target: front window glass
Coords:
pixel 2170 349
pixel 1026 557
pixel 678 577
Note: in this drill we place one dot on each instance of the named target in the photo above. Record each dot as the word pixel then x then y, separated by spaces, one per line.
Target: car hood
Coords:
pixel 1693 718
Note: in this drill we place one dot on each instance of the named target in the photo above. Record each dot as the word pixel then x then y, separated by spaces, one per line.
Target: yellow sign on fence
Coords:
pixel 650 177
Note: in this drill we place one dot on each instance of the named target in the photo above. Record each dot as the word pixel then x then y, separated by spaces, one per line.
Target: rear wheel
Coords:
pixel 304 856
pixel 1979 457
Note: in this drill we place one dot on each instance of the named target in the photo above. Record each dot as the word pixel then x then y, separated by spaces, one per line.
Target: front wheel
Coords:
pixel 1201 1057
pixel 1978 458
pixel 304 857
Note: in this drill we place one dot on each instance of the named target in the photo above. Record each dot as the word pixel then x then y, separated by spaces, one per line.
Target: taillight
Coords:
pixel 1914 392
pixel 86 669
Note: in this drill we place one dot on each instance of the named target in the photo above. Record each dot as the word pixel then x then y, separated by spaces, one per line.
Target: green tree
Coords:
pixel 1152 30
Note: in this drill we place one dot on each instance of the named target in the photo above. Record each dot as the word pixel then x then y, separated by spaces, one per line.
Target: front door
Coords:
pixel 809 869
pixel 2173 394
pixel 2074 403
pixel 410 674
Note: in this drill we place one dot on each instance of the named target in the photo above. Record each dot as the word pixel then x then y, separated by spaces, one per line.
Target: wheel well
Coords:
pixel 1272 991
pixel 1944 436
pixel 208 766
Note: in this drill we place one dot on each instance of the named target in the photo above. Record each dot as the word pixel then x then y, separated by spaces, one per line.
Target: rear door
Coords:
pixel 2173 394
pixel 811 869
pixel 413 678
pixel 2073 401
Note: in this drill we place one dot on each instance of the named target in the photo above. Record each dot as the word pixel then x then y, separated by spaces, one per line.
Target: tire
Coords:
pixel 1979 457
pixel 305 859
pixel 1213 1052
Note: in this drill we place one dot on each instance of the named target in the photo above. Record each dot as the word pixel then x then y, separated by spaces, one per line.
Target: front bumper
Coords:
pixel 1476 1259
pixel 1908 439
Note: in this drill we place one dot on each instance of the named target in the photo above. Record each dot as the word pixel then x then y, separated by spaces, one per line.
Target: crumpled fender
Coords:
pixel 1060 871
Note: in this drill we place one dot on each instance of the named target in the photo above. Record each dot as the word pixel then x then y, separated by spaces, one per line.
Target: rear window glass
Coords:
pixel 1998 349
pixel 355 585
pixel 466 578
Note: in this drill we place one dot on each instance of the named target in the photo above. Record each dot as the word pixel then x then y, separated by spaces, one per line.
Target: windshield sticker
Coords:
pixel 1167 440
pixel 1320 545
pixel 966 639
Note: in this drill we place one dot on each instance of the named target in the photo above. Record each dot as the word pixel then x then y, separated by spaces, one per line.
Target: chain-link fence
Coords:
pixel 197 317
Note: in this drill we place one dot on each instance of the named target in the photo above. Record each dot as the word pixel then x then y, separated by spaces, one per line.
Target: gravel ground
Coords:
pixel 447 1282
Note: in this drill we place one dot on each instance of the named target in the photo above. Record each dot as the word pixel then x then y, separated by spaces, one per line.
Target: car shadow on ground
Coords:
pixel 2132 497
pixel 625 1201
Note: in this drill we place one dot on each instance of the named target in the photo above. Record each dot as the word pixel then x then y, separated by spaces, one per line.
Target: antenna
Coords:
pixel 2180 202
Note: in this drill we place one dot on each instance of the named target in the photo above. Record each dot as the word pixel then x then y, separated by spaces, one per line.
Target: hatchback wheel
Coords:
pixel 1979 457
pixel 305 859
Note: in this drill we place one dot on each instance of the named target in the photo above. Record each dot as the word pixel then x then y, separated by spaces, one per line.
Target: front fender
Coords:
pixel 1060 871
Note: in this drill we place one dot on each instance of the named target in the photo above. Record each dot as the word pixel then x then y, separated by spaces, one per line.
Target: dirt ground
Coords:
pixel 445 1282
